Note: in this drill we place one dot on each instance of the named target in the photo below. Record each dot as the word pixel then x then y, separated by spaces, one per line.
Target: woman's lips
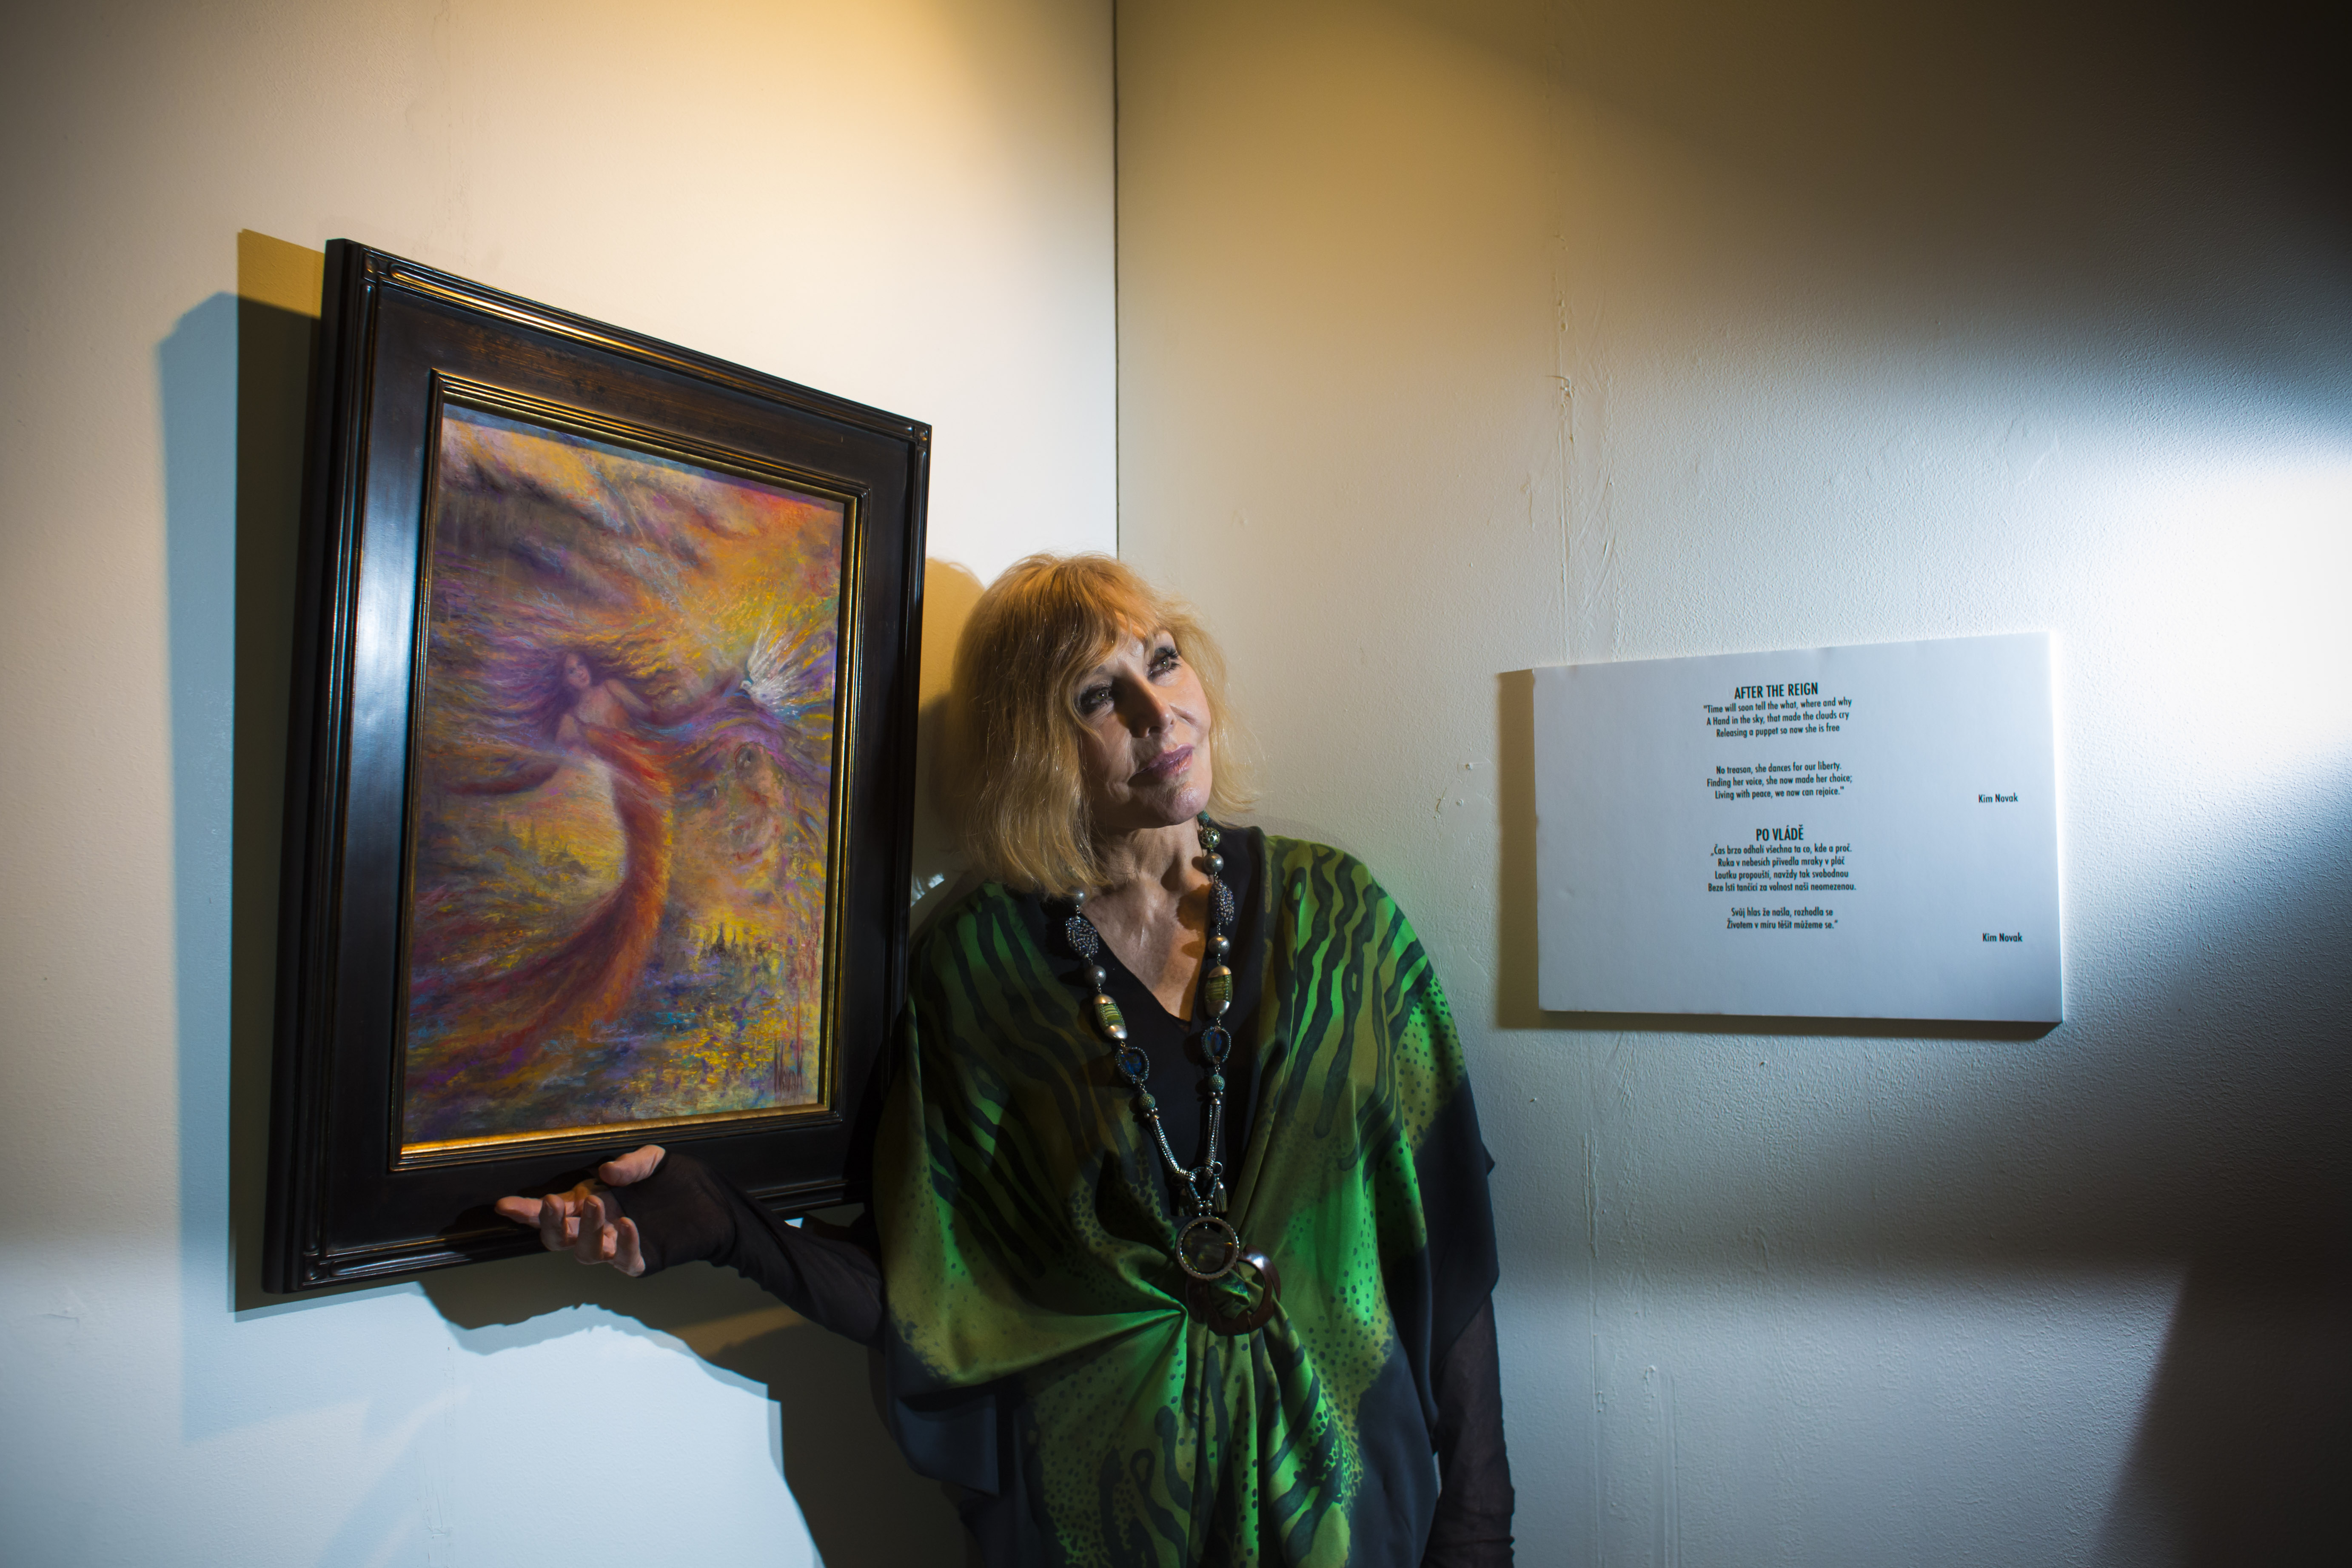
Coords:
pixel 1163 767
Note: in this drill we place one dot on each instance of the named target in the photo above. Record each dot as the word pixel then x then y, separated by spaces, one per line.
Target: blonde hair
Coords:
pixel 1016 778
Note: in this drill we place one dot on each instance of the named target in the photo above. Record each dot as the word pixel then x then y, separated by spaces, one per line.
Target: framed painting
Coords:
pixel 600 768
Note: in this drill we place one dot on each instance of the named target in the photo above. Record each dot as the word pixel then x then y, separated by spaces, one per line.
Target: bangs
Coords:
pixel 1082 622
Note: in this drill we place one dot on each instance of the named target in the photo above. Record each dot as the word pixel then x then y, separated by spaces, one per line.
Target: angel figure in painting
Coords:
pixel 607 703
pixel 585 980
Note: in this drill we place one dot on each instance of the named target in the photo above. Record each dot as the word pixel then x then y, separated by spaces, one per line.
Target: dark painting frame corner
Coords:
pixel 599 772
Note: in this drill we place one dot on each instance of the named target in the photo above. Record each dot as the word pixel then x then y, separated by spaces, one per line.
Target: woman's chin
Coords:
pixel 1148 811
pixel 1188 797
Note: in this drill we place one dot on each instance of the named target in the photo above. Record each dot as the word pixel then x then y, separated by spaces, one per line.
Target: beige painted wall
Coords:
pixel 1458 339
pixel 909 203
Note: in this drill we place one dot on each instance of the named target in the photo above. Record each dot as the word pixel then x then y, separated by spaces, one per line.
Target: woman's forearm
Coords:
pixel 686 1212
pixel 1473 1527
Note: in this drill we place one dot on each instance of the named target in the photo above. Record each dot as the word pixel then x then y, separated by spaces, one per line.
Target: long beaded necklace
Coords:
pixel 1208 1247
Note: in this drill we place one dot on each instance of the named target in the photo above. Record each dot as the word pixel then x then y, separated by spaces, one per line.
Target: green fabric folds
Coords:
pixel 1027 1231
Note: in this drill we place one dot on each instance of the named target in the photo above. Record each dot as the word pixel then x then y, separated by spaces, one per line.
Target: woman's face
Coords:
pixel 576 673
pixel 1146 737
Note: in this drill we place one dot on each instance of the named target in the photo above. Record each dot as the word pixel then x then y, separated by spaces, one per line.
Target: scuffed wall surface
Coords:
pixel 906 202
pixel 1460 339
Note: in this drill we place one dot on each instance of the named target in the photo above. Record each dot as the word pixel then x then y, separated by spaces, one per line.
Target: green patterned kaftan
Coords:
pixel 1038 1349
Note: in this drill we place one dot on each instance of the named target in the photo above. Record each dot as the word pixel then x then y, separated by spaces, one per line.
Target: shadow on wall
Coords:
pixel 2246 1440
pixel 233 536
pixel 193 368
pixel 276 342
pixel 950 592
pixel 233 383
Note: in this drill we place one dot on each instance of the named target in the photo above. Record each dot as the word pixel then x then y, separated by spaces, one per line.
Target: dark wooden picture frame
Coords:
pixel 351 1196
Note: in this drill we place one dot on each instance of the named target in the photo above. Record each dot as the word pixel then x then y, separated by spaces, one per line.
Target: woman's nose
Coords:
pixel 1147 712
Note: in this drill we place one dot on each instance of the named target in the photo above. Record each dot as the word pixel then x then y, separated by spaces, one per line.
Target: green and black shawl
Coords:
pixel 1039 1351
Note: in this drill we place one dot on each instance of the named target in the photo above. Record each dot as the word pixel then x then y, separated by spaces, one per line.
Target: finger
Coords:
pixel 577 1197
pixel 630 1251
pixel 600 1234
pixel 522 1211
pixel 588 1233
pixel 633 1166
pixel 552 1218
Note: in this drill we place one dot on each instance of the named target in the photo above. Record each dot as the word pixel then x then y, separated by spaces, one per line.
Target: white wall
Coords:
pixel 1461 338
pixel 908 203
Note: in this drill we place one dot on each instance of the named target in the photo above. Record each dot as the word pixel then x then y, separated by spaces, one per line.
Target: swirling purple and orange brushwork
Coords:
pixel 617 905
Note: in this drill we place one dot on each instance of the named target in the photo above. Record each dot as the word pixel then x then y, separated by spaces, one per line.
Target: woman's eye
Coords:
pixel 1164 661
pixel 1093 699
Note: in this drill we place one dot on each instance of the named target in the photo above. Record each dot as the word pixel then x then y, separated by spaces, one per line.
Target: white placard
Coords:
pixel 1865 832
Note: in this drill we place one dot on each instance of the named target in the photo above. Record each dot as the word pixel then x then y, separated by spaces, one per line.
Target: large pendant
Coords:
pixel 1202 1296
pixel 1207 1249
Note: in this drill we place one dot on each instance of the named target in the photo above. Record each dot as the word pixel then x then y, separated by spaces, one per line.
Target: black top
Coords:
pixel 686 1212
pixel 1179 1064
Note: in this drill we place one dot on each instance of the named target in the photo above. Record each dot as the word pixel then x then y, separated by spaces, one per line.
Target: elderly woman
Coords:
pixel 1180 1250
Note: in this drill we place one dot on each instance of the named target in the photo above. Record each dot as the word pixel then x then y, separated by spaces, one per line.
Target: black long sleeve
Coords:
pixel 1472 1525
pixel 685 1212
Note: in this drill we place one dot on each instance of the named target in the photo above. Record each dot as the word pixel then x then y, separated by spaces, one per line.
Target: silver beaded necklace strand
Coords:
pixel 1207 1247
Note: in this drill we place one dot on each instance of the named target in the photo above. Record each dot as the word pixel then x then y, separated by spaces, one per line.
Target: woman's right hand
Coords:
pixel 585 1222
